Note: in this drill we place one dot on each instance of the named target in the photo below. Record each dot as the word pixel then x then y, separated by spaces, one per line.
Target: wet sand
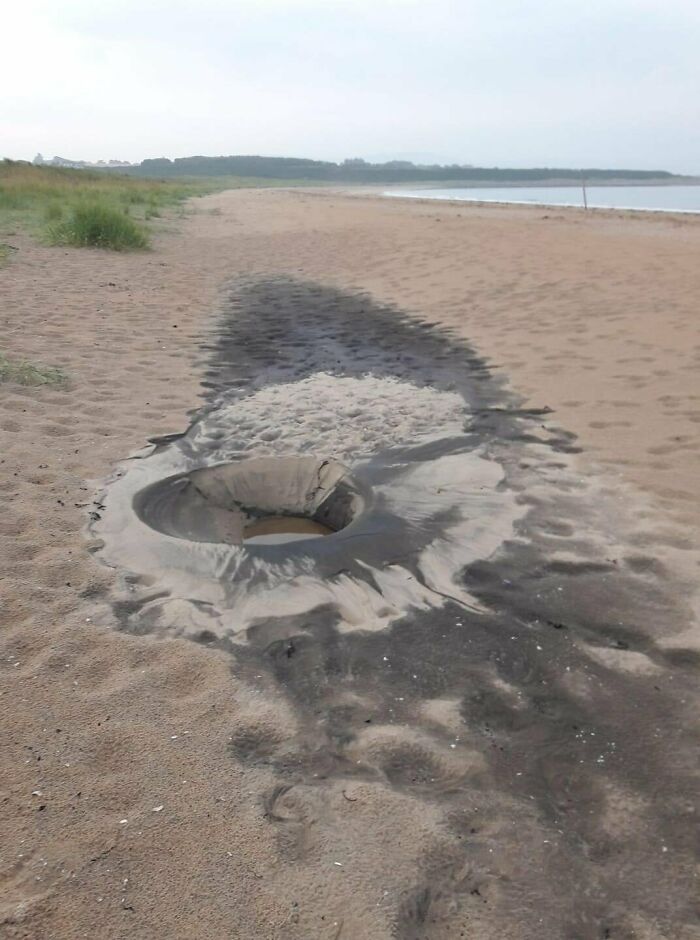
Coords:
pixel 479 722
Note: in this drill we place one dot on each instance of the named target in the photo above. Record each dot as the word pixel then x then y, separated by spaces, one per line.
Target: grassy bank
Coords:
pixel 94 208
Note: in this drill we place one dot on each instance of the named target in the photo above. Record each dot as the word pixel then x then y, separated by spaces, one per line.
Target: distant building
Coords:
pixel 63 161
pixel 78 164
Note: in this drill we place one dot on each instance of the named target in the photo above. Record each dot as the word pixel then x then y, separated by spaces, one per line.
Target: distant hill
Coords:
pixel 360 171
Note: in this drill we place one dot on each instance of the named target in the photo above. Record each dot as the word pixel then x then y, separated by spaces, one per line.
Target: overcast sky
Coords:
pixel 613 83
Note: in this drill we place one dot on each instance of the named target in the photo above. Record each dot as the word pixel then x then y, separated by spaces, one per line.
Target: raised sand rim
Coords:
pixel 262 500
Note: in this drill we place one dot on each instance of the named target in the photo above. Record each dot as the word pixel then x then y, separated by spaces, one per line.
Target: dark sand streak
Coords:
pixel 565 780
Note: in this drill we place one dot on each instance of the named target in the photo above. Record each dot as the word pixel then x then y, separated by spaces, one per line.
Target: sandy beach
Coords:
pixel 480 720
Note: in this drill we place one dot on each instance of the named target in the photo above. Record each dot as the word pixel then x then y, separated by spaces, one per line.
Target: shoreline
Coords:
pixel 379 193
pixel 540 205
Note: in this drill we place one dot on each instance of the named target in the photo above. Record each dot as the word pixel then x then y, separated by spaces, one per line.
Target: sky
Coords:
pixel 576 83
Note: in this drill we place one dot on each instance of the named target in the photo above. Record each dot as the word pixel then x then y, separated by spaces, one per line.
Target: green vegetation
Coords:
pixel 87 208
pixel 99 226
pixel 53 212
pixel 97 207
pixel 48 191
pixel 25 373
pixel 294 169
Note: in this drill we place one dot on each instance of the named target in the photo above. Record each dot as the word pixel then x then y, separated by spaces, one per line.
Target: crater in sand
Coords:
pixel 262 501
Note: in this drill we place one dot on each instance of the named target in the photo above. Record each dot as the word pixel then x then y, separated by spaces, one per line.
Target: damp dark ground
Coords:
pixel 577 818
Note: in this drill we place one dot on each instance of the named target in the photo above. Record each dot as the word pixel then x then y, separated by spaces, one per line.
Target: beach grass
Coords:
pixel 99 225
pixel 28 373
pixel 97 208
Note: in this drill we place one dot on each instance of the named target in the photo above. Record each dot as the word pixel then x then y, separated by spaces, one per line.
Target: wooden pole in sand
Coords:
pixel 583 187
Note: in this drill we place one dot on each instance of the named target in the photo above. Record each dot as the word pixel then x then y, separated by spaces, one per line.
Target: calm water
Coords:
pixel 650 198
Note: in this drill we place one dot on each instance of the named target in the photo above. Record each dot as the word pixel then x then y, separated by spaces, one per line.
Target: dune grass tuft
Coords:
pixel 98 225
pixel 86 207
pixel 53 212
pixel 26 373
pixel 60 202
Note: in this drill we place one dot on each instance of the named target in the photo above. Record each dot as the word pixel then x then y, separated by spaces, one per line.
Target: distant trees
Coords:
pixel 357 170
pixel 266 167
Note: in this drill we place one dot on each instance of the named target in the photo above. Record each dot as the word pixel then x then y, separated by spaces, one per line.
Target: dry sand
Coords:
pixel 140 774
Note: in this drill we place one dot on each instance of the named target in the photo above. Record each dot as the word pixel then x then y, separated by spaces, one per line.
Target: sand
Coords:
pixel 278 778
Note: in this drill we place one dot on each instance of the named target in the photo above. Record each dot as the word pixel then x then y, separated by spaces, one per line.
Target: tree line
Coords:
pixel 360 171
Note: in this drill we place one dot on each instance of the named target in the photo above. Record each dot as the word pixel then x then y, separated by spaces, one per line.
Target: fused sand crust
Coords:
pixel 101 727
pixel 421 504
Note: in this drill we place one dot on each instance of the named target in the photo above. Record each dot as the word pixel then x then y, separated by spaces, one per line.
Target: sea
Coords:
pixel 642 198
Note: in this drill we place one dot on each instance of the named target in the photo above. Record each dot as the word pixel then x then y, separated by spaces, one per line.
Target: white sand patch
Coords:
pixel 334 416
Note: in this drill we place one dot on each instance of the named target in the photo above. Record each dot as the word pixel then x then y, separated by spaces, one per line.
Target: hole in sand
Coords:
pixel 264 501
pixel 273 530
